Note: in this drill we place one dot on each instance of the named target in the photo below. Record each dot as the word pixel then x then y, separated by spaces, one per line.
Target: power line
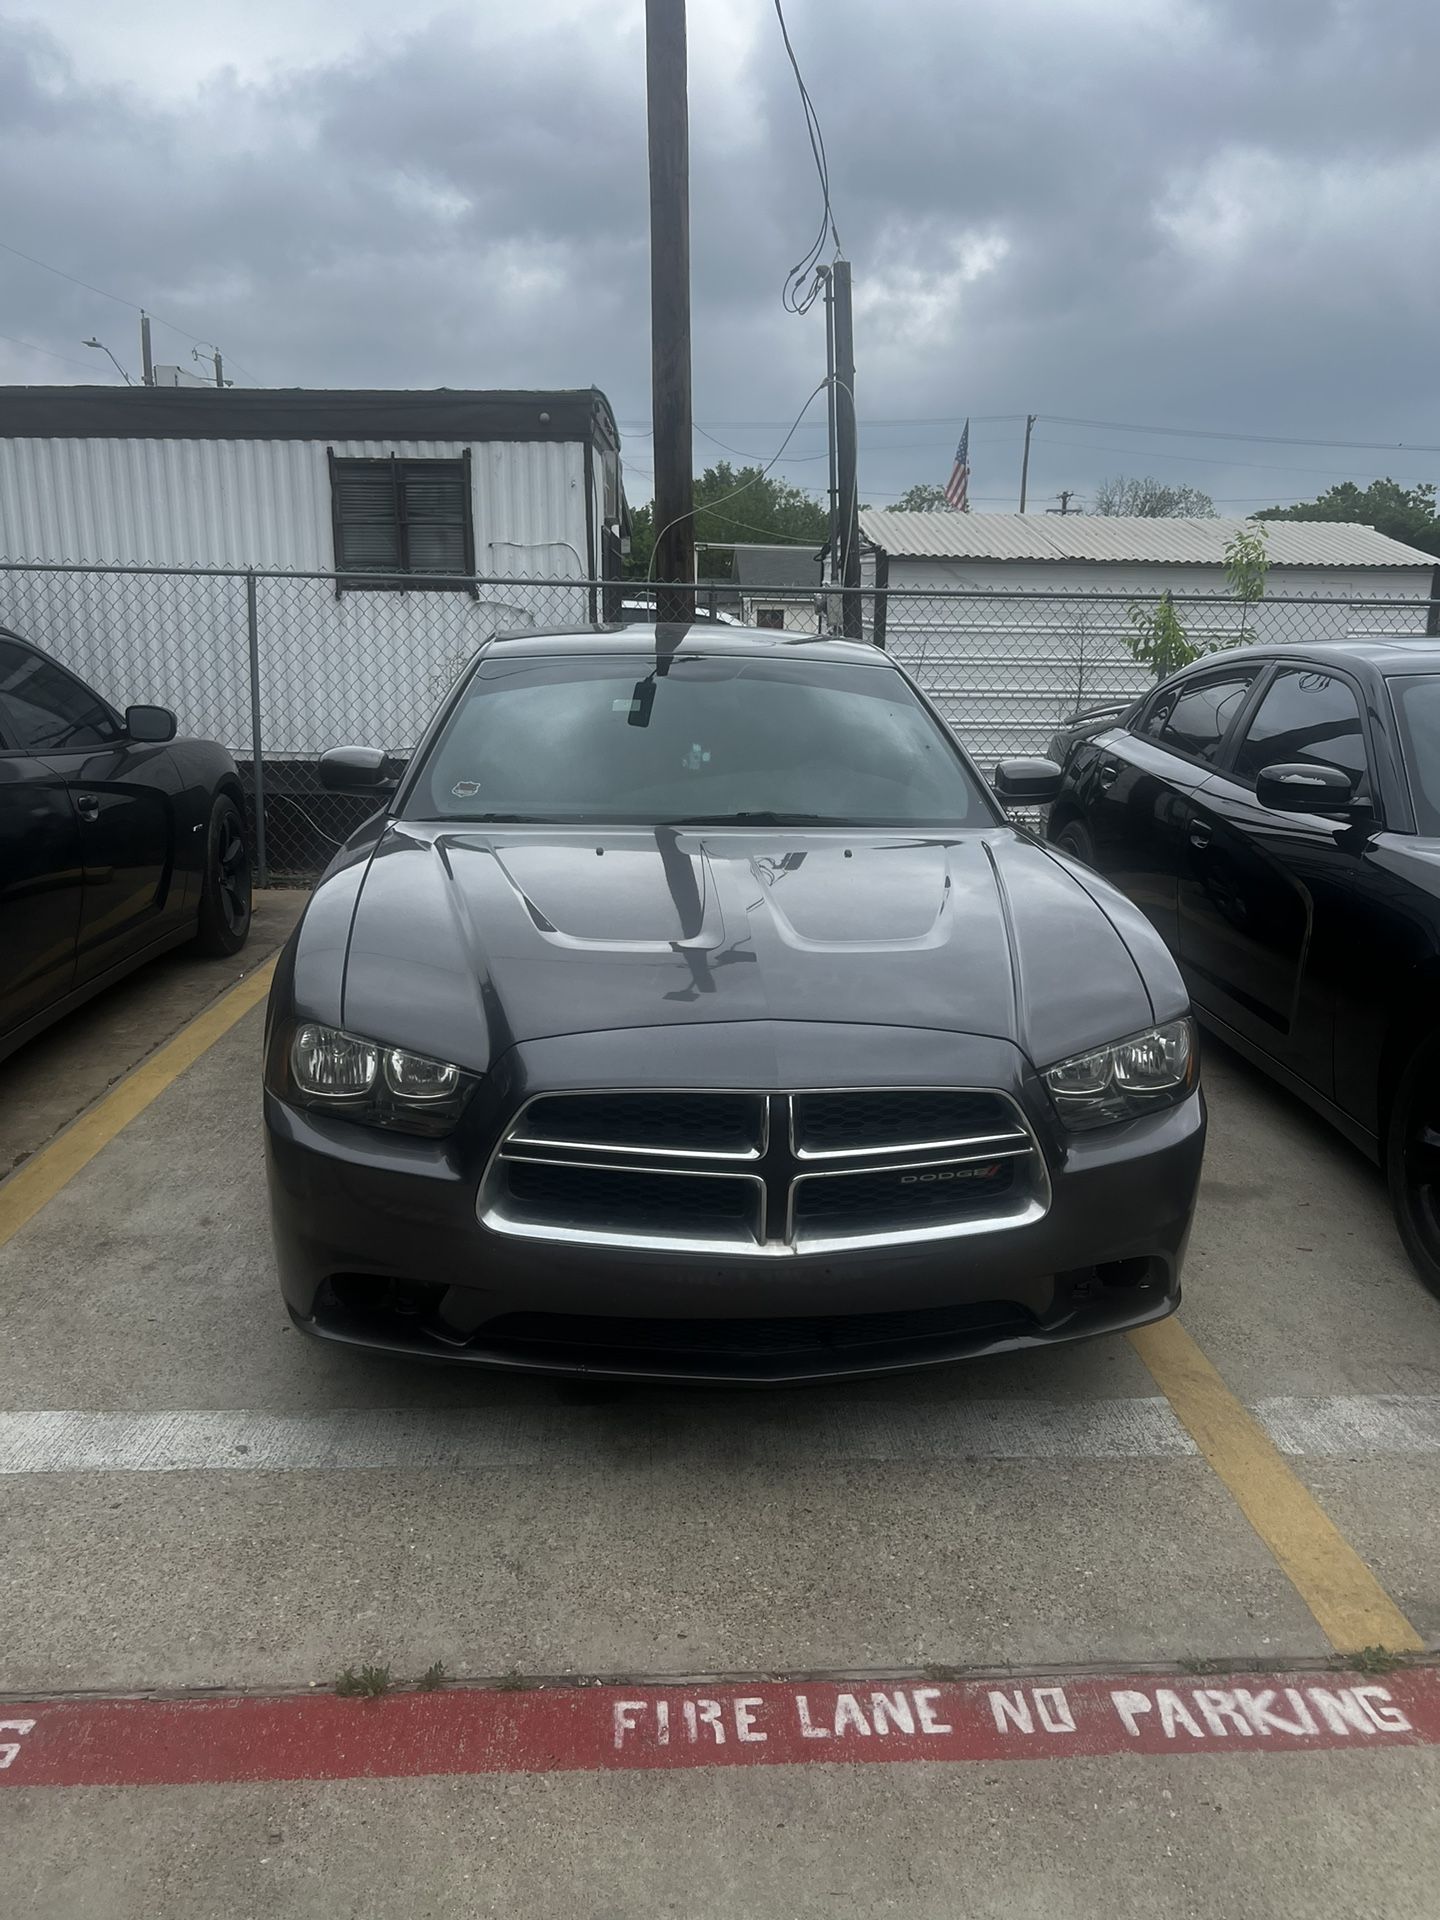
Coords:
pixel 185 333
pixel 736 491
pixel 68 358
pixel 1266 439
pixel 802 282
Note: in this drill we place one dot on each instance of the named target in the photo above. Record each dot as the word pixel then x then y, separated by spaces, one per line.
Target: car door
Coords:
pixel 41 884
pixel 1265 895
pixel 1143 780
pixel 123 795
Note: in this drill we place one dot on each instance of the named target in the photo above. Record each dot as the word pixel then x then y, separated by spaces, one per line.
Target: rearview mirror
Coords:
pixel 1027 783
pixel 1305 789
pixel 150 724
pixel 359 770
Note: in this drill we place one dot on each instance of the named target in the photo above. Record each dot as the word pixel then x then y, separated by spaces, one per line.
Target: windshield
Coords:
pixel 1417 702
pixel 696 741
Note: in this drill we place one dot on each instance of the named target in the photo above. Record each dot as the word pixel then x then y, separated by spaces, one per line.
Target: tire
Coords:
pixel 1074 838
pixel 1412 1159
pixel 224 923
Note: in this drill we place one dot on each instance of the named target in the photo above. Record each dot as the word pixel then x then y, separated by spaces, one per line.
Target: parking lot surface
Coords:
pixel 193 1496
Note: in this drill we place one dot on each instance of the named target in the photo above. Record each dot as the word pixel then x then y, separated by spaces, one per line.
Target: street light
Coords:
pixel 92 342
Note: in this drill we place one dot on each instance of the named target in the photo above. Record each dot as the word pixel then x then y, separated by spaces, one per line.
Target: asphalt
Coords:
pixel 618 1532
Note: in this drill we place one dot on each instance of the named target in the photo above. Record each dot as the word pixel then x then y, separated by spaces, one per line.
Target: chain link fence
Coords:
pixel 280 666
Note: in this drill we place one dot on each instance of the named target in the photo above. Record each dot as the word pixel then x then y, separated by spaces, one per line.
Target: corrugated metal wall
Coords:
pixel 366 666
pixel 266 503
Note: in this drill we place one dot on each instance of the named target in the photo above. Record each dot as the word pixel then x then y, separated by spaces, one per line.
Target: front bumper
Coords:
pixel 380 1244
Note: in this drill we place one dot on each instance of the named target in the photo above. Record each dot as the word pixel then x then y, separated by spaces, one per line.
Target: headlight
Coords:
pixel 379 1086
pixel 1130 1077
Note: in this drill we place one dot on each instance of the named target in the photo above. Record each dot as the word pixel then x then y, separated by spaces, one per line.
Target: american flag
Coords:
pixel 957 490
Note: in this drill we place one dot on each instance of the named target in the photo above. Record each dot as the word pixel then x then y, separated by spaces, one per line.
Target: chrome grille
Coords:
pixel 764 1173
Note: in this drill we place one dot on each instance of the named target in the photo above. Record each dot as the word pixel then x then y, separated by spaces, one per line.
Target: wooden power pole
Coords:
pixel 847 454
pixel 668 116
pixel 1030 420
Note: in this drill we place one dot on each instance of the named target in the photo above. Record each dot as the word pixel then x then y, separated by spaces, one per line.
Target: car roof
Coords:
pixel 1382 653
pixel 641 638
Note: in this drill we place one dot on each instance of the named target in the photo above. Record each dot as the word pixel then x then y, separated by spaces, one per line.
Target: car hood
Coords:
pixel 464 942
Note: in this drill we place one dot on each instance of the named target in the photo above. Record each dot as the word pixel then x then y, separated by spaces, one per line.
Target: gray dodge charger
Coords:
pixel 688 1009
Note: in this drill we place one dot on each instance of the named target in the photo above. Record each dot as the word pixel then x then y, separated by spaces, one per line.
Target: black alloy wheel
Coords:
pixel 224 924
pixel 1413 1159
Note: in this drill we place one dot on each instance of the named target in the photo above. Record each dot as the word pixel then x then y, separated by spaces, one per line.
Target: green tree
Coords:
pixel 743 504
pixel 1404 513
pixel 1247 563
pixel 1152 500
pixel 923 498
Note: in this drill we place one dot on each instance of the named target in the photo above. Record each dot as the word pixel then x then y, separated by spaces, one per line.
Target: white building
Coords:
pixel 394 501
pixel 1013 620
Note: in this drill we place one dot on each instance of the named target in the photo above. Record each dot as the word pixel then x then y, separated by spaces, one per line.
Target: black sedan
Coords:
pixel 117 842
pixel 690 1010
pixel 1276 813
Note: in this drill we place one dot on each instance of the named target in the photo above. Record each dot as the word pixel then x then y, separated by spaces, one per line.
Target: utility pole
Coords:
pixel 668 117
pixel 847 454
pixel 1067 494
pixel 219 370
pixel 834 542
pixel 146 362
pixel 1030 420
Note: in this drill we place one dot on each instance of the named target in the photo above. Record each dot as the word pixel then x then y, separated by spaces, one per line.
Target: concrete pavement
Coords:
pixel 574 1530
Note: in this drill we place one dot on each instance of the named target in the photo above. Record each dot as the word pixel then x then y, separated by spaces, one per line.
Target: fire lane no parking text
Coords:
pixel 561 1729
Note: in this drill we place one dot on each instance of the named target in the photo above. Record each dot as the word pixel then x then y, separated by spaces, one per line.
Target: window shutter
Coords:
pixel 366 525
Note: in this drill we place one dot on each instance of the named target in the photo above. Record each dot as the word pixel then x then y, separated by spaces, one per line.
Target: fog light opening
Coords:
pixel 1123 1274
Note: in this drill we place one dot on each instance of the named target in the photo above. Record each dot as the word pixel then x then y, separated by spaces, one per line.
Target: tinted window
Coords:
pixel 1417 702
pixel 1200 715
pixel 708 739
pixel 1305 718
pixel 44 708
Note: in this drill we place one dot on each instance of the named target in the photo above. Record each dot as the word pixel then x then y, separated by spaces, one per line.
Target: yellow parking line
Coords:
pixel 38 1181
pixel 1353 1609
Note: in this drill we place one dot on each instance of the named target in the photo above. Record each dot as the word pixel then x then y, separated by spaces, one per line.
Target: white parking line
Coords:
pixel 632 1434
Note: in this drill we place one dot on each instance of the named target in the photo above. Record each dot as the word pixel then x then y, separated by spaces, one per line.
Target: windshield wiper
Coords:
pixel 758 820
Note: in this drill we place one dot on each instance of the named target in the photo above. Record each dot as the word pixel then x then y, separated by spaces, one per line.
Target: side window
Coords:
pixel 1200 717
pixel 43 709
pixel 1152 721
pixel 1306 718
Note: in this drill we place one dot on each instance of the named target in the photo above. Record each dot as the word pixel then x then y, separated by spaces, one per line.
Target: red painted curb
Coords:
pixel 148 1743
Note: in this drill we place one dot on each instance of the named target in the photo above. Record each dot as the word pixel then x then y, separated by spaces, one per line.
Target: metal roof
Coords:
pixel 1090 537
pixel 305 413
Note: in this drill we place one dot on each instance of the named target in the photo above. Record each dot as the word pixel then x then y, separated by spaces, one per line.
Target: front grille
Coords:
pixel 928 1195
pixel 689 1123
pixel 789 1338
pixel 765 1173
pixel 627 1199
pixel 881 1119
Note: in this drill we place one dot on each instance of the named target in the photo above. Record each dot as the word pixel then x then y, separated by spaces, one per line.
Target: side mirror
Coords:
pixel 1027 783
pixel 366 770
pixel 149 724
pixel 1305 789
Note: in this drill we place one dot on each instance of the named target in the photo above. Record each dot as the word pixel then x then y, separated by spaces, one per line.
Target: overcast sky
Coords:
pixel 1212 214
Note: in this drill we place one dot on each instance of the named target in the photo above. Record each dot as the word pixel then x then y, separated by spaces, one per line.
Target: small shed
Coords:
pixel 1012 620
pixel 779 586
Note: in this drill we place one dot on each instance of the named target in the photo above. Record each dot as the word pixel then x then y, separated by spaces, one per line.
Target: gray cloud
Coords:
pixel 1216 213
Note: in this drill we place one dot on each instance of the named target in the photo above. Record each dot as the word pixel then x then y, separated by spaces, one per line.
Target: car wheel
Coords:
pixel 224 924
pixel 1074 839
pixel 1412 1159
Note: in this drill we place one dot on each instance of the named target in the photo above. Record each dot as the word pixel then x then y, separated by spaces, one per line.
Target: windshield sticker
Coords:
pixel 697 757
pixel 465 789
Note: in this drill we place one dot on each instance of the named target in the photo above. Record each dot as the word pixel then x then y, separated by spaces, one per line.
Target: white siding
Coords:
pixel 1004 670
pixel 354 667
pixel 266 503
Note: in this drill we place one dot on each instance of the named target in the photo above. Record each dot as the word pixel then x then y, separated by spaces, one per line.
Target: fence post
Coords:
pixel 257 763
